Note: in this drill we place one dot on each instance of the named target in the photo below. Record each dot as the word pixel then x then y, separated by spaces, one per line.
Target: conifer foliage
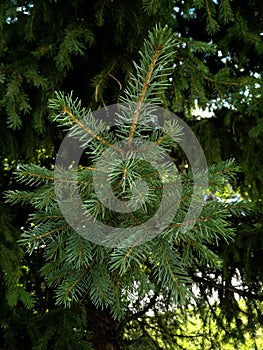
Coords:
pixel 108 277
pixel 59 290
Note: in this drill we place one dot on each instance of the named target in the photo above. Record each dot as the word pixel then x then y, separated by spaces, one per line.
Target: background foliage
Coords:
pixel 55 45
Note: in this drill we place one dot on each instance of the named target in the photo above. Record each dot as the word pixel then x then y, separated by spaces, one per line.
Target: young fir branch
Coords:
pixel 33 175
pixel 104 275
pixel 76 118
pixel 81 124
pixel 151 76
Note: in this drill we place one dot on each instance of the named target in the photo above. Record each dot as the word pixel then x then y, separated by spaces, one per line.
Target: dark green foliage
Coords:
pixel 89 48
pixel 78 268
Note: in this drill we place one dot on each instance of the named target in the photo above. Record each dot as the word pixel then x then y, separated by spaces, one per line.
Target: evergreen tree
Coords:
pixel 53 45
pixel 107 275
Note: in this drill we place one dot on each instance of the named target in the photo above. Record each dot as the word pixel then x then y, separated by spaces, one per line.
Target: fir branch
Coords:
pixel 212 25
pixel 157 50
pixel 66 110
pixel 32 174
pixel 107 277
pixel 70 289
pixel 170 269
pixel 225 12
pixel 151 75
pixel 42 235
pixel 40 198
pixel 100 291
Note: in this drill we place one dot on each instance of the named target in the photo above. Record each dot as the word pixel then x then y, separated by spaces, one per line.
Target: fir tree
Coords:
pixel 83 272
pixel 48 46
